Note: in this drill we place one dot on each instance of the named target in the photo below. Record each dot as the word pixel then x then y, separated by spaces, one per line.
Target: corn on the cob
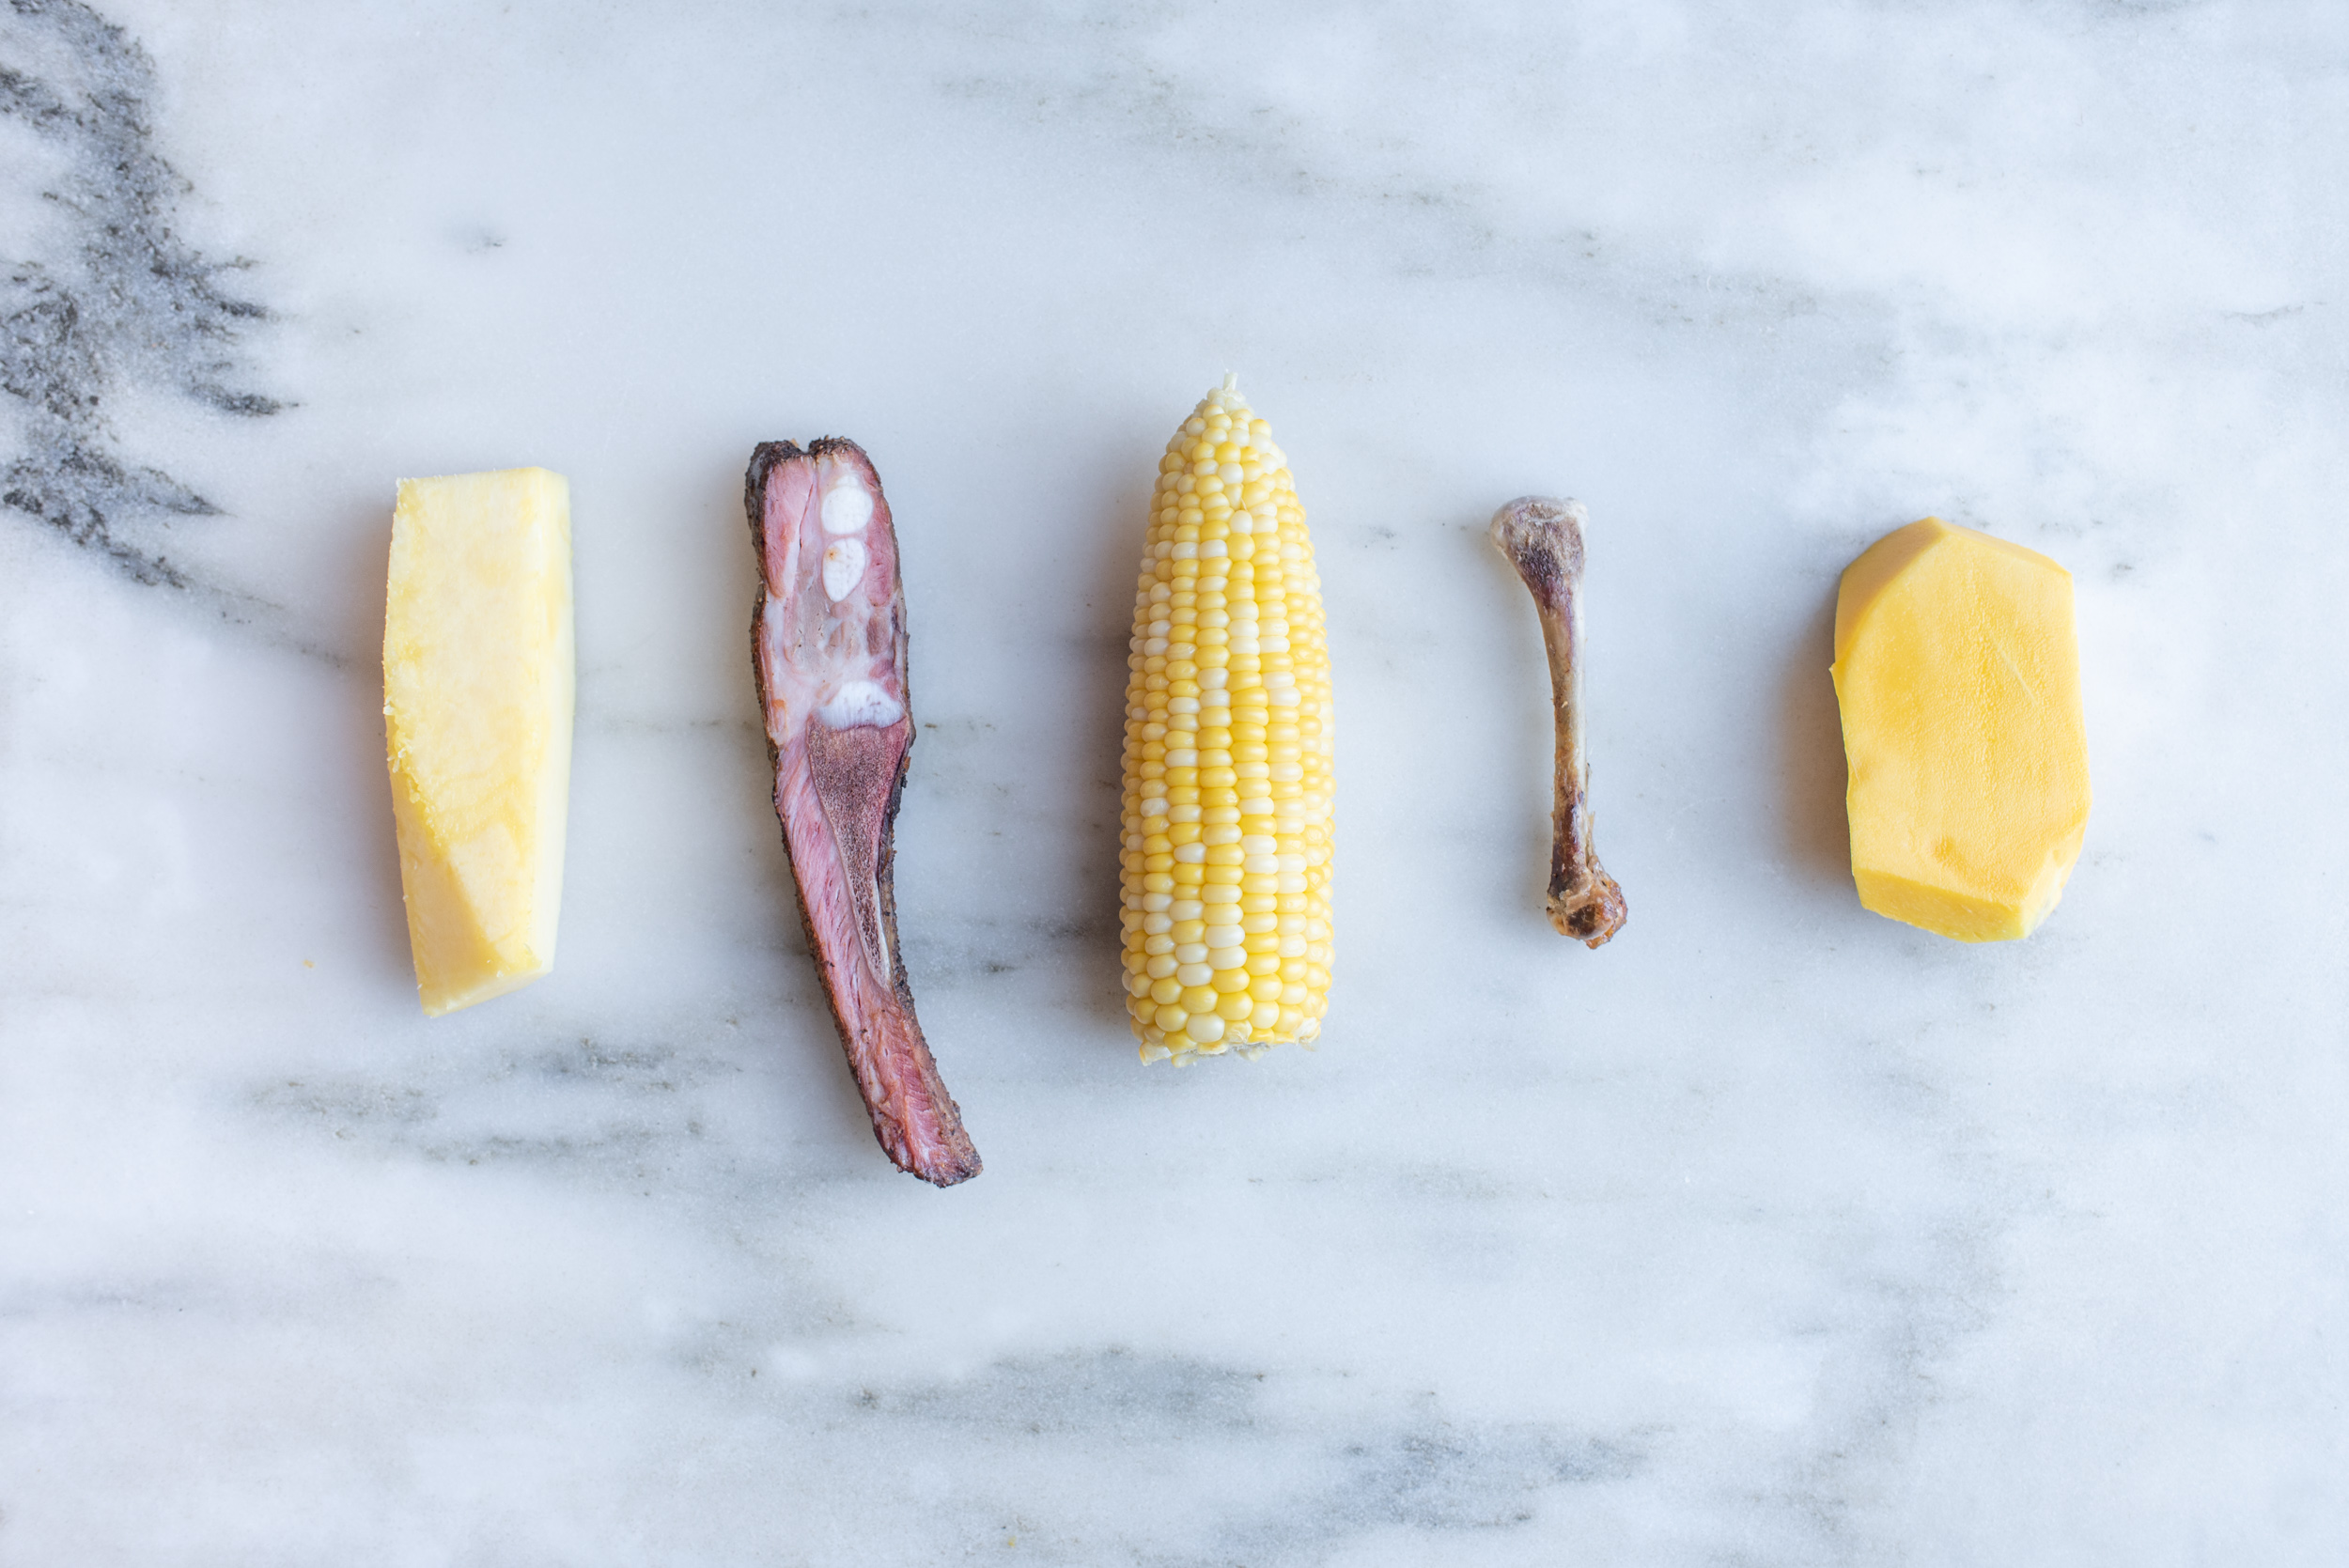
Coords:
pixel 1227 804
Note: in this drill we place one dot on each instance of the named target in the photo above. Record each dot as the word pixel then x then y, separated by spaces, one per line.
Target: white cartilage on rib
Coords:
pixel 861 701
pixel 847 507
pixel 843 566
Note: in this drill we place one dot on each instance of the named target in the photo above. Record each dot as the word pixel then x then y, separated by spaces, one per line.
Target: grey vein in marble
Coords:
pixel 109 295
pixel 1405 1467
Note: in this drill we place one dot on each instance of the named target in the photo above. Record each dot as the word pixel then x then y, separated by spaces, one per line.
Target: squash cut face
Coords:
pixel 478 679
pixel 1957 674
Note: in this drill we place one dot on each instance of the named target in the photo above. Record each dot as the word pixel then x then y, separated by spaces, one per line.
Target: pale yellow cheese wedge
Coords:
pixel 477 691
pixel 1957 669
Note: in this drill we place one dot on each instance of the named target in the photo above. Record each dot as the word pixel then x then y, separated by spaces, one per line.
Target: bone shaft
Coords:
pixel 1561 638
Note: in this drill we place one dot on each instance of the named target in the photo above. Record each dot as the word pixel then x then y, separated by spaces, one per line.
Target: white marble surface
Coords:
pixel 1775 1233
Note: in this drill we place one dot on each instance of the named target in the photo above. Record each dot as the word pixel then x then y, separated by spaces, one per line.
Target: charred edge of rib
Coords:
pixel 962 1162
pixel 763 457
pixel 833 984
pixel 885 870
pixel 826 446
pixel 963 1156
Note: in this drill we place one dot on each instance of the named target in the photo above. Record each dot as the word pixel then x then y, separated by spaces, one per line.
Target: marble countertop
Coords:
pixel 1774 1233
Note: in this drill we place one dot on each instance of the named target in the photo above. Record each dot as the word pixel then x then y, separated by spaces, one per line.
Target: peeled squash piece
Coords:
pixel 477 693
pixel 1957 671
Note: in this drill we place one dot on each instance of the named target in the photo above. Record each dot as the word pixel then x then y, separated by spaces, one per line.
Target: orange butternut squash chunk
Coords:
pixel 1957 671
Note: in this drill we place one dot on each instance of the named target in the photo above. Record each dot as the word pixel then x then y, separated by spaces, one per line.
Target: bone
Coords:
pixel 1543 539
pixel 861 701
pixel 844 565
pixel 847 507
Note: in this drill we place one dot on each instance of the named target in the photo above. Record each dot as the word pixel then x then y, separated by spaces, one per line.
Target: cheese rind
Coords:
pixel 1957 674
pixel 478 686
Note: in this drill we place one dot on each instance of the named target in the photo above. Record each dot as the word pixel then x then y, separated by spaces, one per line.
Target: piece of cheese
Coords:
pixel 1957 671
pixel 477 693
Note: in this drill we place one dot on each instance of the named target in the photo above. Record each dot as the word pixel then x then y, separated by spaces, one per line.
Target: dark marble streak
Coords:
pixel 617 1113
pixel 1407 1466
pixel 122 299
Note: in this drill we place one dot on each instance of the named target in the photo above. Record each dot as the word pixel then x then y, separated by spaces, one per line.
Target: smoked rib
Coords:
pixel 829 642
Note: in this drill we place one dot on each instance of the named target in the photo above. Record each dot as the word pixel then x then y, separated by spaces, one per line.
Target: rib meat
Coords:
pixel 829 642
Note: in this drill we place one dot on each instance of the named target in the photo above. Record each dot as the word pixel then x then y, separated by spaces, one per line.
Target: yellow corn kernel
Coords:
pixel 1227 802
